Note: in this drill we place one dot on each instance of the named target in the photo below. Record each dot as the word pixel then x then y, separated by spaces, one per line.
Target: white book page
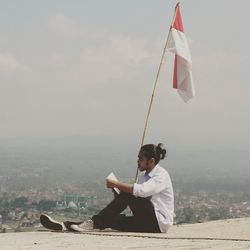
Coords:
pixel 112 177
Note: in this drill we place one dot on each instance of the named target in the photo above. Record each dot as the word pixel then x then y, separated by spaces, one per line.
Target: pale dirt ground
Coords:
pixel 226 234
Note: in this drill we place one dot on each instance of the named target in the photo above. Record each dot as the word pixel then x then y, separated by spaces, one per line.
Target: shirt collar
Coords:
pixel 152 172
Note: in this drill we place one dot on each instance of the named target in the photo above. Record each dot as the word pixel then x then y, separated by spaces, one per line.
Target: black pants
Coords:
pixel 143 219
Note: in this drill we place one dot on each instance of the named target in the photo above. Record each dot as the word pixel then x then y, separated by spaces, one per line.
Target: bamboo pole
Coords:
pixel 155 84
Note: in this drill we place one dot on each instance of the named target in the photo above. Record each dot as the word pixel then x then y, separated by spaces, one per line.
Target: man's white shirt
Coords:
pixel 158 186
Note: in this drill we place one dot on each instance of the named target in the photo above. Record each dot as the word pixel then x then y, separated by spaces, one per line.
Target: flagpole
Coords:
pixel 155 83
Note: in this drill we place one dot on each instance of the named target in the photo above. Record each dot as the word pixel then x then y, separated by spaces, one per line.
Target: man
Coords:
pixel 151 200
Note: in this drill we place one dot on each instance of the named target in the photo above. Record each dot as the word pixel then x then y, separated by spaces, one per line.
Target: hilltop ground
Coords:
pixel 224 234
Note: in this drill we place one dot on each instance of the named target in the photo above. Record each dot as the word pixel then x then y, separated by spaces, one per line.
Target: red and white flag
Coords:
pixel 182 80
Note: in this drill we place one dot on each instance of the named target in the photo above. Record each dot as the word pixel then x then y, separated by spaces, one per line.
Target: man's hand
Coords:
pixel 111 183
pixel 125 187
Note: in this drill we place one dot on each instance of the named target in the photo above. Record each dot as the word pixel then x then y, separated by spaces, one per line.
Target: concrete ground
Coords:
pixel 225 234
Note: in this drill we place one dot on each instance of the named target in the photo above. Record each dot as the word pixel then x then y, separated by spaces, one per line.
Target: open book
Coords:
pixel 112 177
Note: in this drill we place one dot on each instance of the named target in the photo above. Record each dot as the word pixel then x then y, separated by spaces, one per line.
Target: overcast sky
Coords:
pixel 87 68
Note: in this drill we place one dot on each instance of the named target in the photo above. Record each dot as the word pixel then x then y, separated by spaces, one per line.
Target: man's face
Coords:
pixel 142 162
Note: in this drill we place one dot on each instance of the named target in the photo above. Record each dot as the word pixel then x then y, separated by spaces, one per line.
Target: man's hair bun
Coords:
pixel 162 151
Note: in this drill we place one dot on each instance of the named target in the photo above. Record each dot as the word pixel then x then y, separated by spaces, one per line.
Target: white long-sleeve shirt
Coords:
pixel 157 185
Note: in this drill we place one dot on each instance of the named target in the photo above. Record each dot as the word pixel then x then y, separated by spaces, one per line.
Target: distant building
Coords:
pixel 72 205
pixel 78 201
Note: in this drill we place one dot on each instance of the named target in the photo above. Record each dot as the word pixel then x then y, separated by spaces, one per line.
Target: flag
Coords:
pixel 177 44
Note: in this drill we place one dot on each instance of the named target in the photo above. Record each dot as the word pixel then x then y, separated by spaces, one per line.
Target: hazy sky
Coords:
pixel 87 68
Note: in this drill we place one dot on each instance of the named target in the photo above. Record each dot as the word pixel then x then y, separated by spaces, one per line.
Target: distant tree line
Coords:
pixel 196 215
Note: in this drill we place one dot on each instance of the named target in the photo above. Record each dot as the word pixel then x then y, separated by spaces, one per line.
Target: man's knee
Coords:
pixel 125 195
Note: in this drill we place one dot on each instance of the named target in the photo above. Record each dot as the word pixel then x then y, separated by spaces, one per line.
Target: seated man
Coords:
pixel 151 200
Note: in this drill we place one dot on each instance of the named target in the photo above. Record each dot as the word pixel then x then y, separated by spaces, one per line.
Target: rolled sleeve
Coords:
pixel 153 186
pixel 136 189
